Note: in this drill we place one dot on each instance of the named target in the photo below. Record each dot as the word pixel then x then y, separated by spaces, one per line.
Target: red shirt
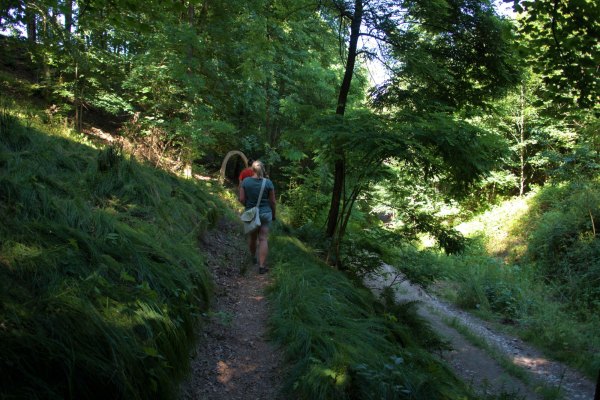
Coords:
pixel 246 173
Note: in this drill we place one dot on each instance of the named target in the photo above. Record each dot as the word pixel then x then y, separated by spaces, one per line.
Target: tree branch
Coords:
pixel 378 38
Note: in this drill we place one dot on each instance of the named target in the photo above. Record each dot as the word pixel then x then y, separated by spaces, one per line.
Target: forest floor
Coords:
pixel 235 360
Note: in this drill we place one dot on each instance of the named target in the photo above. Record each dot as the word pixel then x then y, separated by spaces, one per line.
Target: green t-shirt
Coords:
pixel 252 189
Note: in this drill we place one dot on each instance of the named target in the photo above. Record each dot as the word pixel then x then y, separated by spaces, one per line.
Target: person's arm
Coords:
pixel 272 202
pixel 241 178
pixel 242 196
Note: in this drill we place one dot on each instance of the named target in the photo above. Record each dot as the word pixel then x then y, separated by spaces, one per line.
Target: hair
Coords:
pixel 259 168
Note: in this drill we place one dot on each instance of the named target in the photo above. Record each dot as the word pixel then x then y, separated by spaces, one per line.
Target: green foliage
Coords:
pixel 485 283
pixel 305 199
pixel 339 345
pixel 422 268
pixel 453 55
pixel 550 297
pixel 101 282
pixel 514 296
pixel 564 241
pixel 561 44
pixel 197 79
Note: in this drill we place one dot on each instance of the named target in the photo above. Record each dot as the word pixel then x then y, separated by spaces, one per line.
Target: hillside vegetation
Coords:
pixel 101 280
pixel 341 343
pixel 532 265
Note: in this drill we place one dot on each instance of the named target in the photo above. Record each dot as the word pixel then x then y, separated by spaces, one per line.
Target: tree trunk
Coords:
pixel 522 154
pixel 30 20
pixel 68 17
pixel 191 14
pixel 340 163
pixel 268 109
pixel 77 101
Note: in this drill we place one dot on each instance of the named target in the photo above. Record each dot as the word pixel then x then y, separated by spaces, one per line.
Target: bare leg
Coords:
pixel 263 245
pixel 252 243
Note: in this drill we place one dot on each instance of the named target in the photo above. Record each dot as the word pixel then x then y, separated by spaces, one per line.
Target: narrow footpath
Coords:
pixel 233 358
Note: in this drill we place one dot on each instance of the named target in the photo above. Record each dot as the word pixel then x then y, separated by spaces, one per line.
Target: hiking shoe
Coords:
pixel 263 270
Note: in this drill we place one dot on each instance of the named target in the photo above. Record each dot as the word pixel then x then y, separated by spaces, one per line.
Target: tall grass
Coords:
pixel 341 344
pixel 101 281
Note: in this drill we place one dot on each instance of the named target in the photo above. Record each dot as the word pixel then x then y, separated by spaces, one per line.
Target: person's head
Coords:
pixel 258 168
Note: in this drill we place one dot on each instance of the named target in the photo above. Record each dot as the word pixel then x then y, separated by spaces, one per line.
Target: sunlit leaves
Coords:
pixel 455 55
pixel 563 43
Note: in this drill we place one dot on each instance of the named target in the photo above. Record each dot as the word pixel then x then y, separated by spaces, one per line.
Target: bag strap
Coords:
pixel 262 188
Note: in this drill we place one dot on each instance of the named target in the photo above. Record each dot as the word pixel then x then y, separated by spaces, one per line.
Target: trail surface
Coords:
pixel 233 359
pixel 476 366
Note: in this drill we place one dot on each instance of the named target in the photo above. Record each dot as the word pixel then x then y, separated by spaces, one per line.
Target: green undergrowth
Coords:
pixel 340 343
pixel 533 270
pixel 515 298
pixel 101 280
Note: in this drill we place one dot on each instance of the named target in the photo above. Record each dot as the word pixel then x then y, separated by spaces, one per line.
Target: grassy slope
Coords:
pixel 101 282
pixel 342 344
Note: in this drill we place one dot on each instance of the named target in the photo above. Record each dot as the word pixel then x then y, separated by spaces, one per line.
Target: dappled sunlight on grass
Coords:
pixel 340 342
pixel 501 228
pixel 19 253
pixel 100 267
pixel 340 378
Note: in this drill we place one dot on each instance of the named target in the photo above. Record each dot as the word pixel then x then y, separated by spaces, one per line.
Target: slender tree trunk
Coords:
pixel 522 153
pixel 522 161
pixel 203 15
pixel 268 108
pixel 30 20
pixel 340 164
pixel 191 14
pixel 68 17
pixel 77 91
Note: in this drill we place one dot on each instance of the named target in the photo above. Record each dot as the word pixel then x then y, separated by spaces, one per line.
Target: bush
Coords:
pixel 487 284
pixel 564 242
pixel 304 200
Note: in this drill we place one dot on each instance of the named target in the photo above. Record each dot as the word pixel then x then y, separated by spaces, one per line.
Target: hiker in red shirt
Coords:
pixel 246 173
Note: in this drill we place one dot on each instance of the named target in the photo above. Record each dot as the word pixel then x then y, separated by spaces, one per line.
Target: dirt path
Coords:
pixel 233 359
pixel 476 366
